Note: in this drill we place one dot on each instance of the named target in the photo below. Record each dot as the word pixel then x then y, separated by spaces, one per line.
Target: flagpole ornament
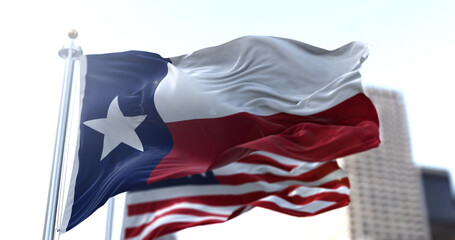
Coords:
pixel 71 53
pixel 76 51
pixel 73 34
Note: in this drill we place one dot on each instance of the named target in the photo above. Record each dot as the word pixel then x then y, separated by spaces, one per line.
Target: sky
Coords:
pixel 411 51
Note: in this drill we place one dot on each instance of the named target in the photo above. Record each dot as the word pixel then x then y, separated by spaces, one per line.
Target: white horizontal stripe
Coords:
pixel 311 207
pixel 283 159
pixel 136 220
pixel 310 191
pixel 261 76
pixel 172 219
pixel 211 190
pixel 300 167
pixel 251 168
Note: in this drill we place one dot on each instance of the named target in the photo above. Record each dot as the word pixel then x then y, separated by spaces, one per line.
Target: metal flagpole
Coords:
pixel 110 218
pixel 71 53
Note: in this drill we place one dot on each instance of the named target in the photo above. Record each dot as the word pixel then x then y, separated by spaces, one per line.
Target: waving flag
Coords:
pixel 145 118
pixel 260 179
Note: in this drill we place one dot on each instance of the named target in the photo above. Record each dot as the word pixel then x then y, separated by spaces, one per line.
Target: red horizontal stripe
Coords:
pixel 337 198
pixel 347 128
pixel 313 175
pixel 266 161
pixel 336 183
pixel 299 200
pixel 217 200
pixel 131 232
pixel 239 211
pixel 173 227
pixel 343 200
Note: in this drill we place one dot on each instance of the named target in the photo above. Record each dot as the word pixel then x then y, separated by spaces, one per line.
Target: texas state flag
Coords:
pixel 146 118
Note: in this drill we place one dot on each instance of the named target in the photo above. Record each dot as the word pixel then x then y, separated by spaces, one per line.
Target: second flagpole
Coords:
pixel 110 218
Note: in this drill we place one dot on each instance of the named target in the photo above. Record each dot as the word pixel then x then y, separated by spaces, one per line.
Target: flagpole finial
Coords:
pixel 73 34
pixel 75 50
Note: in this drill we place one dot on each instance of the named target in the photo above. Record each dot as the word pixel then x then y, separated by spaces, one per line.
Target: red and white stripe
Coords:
pixel 260 179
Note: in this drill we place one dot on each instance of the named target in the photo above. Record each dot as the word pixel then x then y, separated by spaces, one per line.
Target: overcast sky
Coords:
pixel 411 51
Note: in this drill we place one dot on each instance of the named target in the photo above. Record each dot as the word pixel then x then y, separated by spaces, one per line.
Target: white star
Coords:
pixel 117 129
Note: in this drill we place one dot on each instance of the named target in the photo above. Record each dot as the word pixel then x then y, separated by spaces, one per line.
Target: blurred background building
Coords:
pixel 386 188
pixel 387 197
pixel 440 203
pixel 391 198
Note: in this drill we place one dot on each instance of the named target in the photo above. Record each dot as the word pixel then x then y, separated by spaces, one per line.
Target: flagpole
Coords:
pixel 71 53
pixel 110 218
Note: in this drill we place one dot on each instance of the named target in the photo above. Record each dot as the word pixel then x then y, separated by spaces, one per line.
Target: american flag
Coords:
pixel 260 179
